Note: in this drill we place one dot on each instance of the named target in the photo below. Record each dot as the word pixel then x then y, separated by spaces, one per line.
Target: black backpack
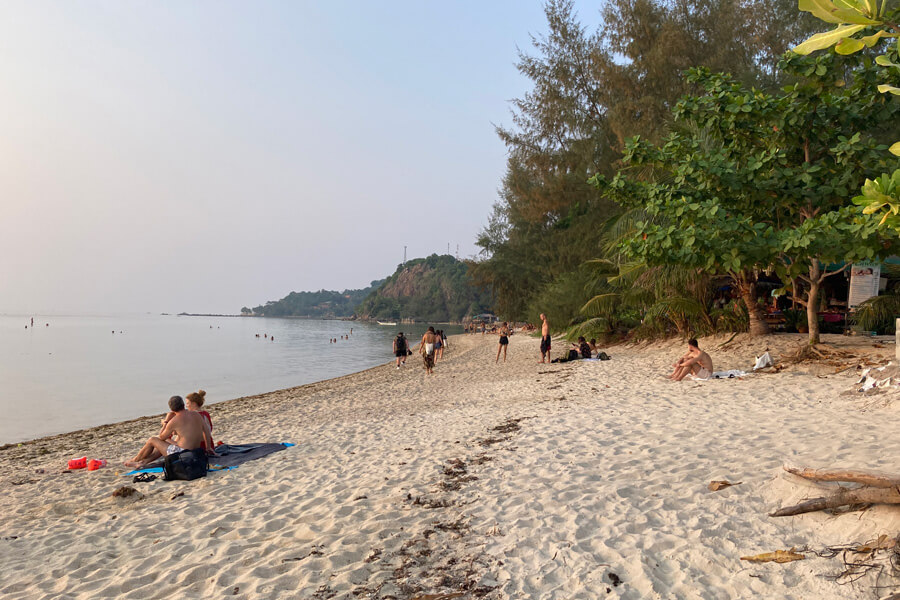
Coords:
pixel 187 465
pixel 401 343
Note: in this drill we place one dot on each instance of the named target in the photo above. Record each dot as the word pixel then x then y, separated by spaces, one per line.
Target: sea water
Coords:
pixel 71 372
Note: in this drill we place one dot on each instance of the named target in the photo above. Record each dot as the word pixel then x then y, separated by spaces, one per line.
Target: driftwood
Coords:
pixel 779 556
pixel 864 477
pixel 876 489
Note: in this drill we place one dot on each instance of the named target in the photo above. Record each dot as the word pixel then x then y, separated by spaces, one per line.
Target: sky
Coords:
pixel 203 156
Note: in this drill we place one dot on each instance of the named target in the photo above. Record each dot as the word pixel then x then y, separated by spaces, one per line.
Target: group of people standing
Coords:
pixel 431 348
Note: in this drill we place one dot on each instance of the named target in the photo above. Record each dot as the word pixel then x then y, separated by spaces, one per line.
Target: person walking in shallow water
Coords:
pixel 504 341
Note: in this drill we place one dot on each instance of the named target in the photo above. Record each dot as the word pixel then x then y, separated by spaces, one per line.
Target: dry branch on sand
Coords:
pixel 876 488
pixel 841 360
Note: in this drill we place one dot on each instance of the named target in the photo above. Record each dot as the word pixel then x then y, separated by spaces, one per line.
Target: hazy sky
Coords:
pixel 203 156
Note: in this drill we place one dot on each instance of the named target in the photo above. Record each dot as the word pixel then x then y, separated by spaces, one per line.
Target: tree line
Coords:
pixel 684 147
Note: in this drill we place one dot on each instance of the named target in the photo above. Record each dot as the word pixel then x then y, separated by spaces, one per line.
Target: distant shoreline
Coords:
pixel 203 315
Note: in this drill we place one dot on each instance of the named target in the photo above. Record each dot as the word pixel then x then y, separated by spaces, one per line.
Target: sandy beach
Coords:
pixel 515 480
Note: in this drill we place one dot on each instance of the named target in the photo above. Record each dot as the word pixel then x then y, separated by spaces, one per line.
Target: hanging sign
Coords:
pixel 864 278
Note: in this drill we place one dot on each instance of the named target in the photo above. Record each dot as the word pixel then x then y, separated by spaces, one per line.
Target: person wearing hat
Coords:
pixel 400 348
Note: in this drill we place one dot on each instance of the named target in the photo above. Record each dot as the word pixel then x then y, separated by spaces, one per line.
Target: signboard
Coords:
pixel 864 279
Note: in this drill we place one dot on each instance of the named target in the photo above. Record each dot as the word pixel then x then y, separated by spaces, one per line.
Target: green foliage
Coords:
pixel 882 196
pixel 321 304
pixel 793 319
pixel 852 17
pixel 436 289
pixel 590 92
pixel 561 299
pixel 766 184
pixel 878 313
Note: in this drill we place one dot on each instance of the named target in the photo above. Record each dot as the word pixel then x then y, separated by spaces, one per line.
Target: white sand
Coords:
pixel 402 486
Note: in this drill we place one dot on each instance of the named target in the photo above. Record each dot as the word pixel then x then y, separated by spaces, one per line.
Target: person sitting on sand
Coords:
pixel 426 348
pixel 188 427
pixel 193 401
pixel 583 347
pixel 696 362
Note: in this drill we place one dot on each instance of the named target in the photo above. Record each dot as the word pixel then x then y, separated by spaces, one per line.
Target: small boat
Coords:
pixel 380 323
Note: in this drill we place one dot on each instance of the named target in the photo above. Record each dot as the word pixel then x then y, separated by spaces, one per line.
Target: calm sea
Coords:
pixel 67 373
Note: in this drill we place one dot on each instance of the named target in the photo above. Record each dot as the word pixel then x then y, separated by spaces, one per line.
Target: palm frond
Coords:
pixel 601 304
pixel 878 313
pixel 677 307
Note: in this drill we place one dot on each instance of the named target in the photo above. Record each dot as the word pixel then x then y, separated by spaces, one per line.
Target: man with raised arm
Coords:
pixel 545 338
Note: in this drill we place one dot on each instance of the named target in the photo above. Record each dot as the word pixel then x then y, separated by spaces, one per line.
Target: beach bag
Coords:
pixel 603 356
pixel 186 466
pixel 573 355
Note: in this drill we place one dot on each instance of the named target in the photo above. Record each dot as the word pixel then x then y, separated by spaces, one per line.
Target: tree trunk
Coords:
pixel 842 497
pixel 758 325
pixel 870 478
pixel 812 301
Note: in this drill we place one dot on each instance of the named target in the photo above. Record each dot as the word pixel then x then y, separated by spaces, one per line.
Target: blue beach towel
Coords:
pixel 230 456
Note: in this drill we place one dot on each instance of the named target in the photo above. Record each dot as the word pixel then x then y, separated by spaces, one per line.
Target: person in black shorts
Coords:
pixel 545 338
pixel 504 341
pixel 400 347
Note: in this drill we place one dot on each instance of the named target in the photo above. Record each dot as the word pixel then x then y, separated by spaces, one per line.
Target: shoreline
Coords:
pixel 88 430
pixel 517 480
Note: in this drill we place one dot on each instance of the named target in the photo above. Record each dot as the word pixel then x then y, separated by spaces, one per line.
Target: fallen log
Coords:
pixel 872 479
pixel 842 497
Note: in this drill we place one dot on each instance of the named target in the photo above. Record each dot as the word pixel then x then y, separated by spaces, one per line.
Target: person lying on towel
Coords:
pixel 695 362
pixel 186 426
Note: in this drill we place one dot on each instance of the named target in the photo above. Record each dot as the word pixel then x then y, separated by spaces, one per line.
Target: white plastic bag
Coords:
pixel 763 361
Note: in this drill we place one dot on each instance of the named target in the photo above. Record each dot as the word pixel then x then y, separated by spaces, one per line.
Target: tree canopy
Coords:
pixel 591 91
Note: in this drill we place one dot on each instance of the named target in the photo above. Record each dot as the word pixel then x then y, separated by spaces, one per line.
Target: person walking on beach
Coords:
pixel 545 338
pixel 438 345
pixel 696 362
pixel 400 348
pixel 426 348
pixel 444 345
pixel 504 341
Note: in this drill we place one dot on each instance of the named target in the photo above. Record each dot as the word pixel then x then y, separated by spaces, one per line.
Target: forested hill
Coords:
pixel 436 289
pixel 321 304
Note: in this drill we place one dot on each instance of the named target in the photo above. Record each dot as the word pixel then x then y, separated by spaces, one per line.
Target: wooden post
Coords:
pixel 897 340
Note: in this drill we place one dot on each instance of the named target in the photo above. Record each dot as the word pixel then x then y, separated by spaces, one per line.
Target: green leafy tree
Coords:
pixel 591 91
pixel 766 187
pixel 863 24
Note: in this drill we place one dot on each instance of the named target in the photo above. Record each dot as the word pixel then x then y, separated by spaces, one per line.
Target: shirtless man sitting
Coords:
pixel 696 361
pixel 189 428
